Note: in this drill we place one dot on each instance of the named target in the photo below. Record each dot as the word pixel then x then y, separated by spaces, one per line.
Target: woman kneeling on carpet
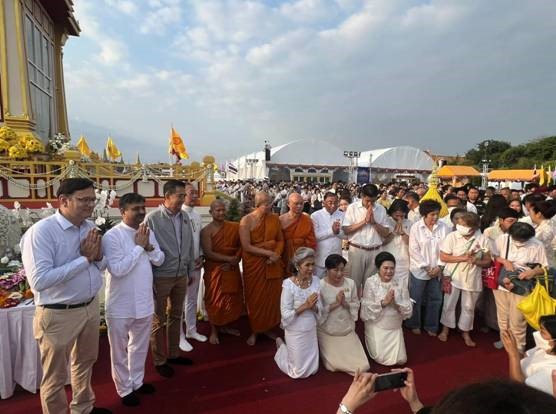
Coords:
pixel 300 307
pixel 538 368
pixel 340 347
pixel 385 304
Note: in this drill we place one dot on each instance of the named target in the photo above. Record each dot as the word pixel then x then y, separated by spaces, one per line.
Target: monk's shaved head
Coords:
pixel 261 198
pixel 217 202
pixel 295 198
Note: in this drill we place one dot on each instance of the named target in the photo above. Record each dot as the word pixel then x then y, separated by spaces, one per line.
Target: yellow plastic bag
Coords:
pixel 538 303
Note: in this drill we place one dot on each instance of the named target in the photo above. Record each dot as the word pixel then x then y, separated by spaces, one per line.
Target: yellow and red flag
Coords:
pixel 112 150
pixel 177 147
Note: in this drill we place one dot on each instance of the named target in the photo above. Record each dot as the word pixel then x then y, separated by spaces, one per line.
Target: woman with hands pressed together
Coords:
pixel 340 347
pixel 384 305
pixel 300 308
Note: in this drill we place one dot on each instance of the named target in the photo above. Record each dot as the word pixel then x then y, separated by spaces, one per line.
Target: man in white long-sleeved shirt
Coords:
pixel 63 261
pixel 192 295
pixel 327 224
pixel 130 249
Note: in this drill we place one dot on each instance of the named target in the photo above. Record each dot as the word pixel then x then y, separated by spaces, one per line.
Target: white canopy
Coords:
pixel 402 158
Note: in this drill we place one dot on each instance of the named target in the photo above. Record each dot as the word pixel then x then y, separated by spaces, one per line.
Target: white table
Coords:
pixel 19 352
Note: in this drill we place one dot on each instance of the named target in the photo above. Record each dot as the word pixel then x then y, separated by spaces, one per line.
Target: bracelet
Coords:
pixel 344 409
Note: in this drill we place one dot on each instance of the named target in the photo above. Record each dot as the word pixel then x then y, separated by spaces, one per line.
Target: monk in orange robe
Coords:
pixel 262 243
pixel 298 230
pixel 223 290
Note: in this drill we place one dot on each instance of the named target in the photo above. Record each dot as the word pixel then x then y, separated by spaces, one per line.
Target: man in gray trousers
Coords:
pixel 172 230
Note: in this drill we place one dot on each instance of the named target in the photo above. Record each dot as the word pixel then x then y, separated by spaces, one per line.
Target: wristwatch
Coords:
pixel 344 409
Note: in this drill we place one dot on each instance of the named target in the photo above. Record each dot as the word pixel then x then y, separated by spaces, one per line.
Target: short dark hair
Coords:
pixel 546 208
pixel 334 260
pixel 451 196
pixel 329 194
pixel 496 396
pixel 533 198
pixel 369 190
pixel 549 323
pixel 507 212
pixel 71 185
pixel 130 198
pixel 384 257
pixel 171 186
pixel 398 205
pixel 461 189
pixel 457 210
pixel 521 231
pixel 428 206
pixel 413 195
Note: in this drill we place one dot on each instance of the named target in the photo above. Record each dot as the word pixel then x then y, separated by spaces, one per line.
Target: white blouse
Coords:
pixel 397 246
pixel 340 321
pixel 375 291
pixel 537 367
pixel 292 298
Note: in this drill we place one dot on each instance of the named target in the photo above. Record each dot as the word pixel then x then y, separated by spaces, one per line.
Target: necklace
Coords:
pixel 302 284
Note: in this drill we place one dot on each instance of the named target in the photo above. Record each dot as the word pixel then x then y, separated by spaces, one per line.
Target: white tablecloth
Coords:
pixel 19 352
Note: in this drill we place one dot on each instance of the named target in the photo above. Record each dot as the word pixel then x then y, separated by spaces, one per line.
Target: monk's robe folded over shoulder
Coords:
pixel 263 281
pixel 298 234
pixel 223 290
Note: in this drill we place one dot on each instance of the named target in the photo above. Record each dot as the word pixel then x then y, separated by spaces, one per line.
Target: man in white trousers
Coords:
pixel 130 248
pixel 191 297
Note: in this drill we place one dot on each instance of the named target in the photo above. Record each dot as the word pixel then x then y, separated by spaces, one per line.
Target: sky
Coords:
pixel 442 75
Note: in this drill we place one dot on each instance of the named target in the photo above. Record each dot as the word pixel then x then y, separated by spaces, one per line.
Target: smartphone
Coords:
pixel 390 381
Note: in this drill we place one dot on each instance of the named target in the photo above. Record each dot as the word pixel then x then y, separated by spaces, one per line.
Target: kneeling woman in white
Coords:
pixel 340 347
pixel 384 305
pixel 300 307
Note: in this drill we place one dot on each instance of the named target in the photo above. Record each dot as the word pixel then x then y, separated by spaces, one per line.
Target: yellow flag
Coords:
pixel 112 150
pixel 177 147
pixel 549 175
pixel 542 176
pixel 83 147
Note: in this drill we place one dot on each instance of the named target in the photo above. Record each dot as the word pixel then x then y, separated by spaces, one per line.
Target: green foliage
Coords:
pixel 233 213
pixel 502 155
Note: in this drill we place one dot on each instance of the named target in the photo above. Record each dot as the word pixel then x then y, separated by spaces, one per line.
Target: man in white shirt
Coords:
pixel 462 195
pixel 365 226
pixel 63 261
pixel 327 224
pixel 191 297
pixel 412 200
pixel 130 249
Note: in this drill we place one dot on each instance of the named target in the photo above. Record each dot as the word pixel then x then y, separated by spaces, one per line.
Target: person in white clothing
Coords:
pixel 384 305
pixel 465 251
pixel 425 268
pixel 540 213
pixel 192 294
pixel 130 250
pixel 397 242
pixel 412 200
pixel 300 308
pixel 327 224
pixel 365 226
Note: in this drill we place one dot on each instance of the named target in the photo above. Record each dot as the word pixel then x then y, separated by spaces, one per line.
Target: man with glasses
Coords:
pixel 63 260
pixel 172 230
pixel 327 223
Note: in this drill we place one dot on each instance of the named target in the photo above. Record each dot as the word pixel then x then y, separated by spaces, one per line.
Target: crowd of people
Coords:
pixel 309 259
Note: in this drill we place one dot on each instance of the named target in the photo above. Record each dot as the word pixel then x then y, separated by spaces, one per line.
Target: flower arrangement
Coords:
pixel 8 134
pixel 101 213
pixel 31 144
pixel 58 144
pixel 17 152
pixel 13 283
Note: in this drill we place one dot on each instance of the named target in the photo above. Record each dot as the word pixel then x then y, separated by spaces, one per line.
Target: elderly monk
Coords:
pixel 223 290
pixel 298 229
pixel 262 243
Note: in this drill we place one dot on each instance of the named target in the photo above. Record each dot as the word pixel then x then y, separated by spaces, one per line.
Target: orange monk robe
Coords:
pixel 223 290
pixel 298 234
pixel 263 281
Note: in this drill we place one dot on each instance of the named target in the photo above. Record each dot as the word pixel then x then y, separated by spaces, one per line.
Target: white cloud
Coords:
pixel 125 6
pixel 112 51
pixel 163 13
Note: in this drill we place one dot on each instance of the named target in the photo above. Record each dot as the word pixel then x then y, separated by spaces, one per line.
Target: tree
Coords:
pixel 489 149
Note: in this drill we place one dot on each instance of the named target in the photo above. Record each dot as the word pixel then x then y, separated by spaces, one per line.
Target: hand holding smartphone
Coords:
pixel 390 381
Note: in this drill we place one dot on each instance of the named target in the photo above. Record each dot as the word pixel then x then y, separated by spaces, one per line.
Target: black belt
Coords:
pixel 62 306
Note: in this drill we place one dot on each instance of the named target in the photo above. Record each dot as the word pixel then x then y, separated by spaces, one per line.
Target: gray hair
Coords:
pixel 301 255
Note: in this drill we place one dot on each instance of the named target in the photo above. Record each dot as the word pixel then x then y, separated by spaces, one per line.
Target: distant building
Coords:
pixel 32 36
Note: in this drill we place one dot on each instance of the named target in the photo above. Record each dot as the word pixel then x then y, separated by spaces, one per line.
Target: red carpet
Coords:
pixel 233 378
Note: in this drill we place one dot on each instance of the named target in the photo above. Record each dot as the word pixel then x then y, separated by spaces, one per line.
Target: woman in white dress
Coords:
pixel 301 308
pixel 384 305
pixel 397 242
pixel 340 347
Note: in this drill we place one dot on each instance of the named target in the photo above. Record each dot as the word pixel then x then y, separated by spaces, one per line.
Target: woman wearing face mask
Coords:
pixel 514 251
pixel 538 364
pixel 384 305
pixel 340 347
pixel 465 252
pixel 397 242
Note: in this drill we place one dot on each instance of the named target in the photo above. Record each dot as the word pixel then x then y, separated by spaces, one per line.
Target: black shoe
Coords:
pixel 98 410
pixel 180 361
pixel 145 389
pixel 164 370
pixel 130 400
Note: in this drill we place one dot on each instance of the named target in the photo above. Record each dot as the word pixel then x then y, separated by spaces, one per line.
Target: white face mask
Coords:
pixel 464 231
pixel 518 243
pixel 542 343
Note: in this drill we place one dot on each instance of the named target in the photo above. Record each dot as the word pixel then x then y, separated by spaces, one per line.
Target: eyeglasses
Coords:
pixel 86 200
